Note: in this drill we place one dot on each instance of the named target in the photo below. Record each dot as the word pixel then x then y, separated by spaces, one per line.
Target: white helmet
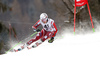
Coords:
pixel 43 17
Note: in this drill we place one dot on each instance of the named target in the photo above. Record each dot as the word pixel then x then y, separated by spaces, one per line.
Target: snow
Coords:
pixel 69 47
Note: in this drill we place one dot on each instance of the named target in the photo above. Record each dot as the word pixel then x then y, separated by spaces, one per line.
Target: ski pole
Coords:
pixel 19 43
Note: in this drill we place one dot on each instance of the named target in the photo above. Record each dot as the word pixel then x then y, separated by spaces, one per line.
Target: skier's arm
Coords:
pixel 36 24
pixel 55 29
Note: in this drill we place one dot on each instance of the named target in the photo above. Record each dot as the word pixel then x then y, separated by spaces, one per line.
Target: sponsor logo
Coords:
pixel 80 3
pixel 78 0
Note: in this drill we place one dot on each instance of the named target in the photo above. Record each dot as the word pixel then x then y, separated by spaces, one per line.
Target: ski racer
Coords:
pixel 49 31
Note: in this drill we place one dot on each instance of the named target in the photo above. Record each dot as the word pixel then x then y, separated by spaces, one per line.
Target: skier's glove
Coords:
pixel 51 40
pixel 38 30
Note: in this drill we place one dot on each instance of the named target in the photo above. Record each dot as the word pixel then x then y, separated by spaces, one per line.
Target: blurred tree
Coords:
pixel 13 31
pixel 4 7
pixel 4 37
pixel 99 1
pixel 78 11
pixel 1 45
pixel 1 27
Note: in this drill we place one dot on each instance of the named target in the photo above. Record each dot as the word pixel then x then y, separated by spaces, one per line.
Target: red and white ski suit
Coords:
pixel 49 30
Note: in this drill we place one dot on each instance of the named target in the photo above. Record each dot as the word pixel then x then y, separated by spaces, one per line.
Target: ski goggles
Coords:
pixel 43 20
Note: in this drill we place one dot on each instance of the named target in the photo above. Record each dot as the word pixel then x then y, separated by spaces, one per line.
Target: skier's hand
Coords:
pixel 51 40
pixel 38 30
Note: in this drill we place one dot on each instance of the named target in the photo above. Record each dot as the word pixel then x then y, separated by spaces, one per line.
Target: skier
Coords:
pixel 49 31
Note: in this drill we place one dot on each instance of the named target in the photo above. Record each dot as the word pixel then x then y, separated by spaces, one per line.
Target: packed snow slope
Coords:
pixel 68 47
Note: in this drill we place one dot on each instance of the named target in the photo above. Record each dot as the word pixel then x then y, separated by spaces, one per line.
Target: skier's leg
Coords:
pixel 48 35
pixel 36 44
pixel 38 36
